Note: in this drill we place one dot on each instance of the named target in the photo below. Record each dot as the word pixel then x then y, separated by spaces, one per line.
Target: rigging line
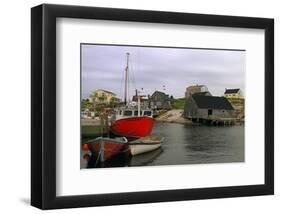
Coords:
pixel 128 91
pixel 133 76
pixel 122 84
pixel 138 65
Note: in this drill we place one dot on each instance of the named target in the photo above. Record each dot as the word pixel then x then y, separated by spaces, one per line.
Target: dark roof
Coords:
pixel 211 102
pixel 160 93
pixel 206 93
pixel 231 91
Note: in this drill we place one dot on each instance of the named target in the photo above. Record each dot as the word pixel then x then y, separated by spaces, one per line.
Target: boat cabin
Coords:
pixel 135 113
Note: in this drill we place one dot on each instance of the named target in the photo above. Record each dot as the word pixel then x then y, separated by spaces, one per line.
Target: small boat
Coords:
pixel 106 148
pixel 145 144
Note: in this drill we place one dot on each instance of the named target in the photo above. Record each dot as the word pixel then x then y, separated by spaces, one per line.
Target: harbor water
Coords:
pixel 187 144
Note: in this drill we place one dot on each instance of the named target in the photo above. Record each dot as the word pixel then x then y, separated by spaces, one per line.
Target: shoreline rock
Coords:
pixel 173 116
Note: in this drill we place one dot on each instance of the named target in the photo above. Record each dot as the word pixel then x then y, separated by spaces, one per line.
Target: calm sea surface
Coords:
pixel 186 144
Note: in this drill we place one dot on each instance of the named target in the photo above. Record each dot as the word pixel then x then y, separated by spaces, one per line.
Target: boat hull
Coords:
pixel 133 126
pixel 145 144
pixel 140 149
pixel 108 148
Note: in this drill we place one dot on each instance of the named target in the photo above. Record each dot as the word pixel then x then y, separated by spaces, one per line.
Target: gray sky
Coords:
pixel 150 68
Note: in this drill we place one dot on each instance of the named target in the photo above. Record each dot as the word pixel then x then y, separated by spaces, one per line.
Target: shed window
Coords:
pixel 210 112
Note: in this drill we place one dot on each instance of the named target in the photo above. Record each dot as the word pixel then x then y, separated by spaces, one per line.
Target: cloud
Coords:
pixel 152 68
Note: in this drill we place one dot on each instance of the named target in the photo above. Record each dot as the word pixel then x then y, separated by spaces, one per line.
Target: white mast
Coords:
pixel 126 79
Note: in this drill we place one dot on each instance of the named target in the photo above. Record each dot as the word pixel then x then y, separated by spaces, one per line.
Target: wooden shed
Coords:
pixel 209 109
pixel 160 100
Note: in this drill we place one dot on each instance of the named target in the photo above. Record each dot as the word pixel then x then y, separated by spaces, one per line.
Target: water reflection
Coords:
pixel 185 144
pixel 146 158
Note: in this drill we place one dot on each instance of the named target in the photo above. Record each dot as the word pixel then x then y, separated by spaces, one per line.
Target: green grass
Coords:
pixel 178 103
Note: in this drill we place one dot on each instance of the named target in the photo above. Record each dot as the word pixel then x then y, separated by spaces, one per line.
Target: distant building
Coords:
pixel 233 93
pixel 144 102
pixel 159 100
pixel 208 107
pixel 101 96
pixel 195 89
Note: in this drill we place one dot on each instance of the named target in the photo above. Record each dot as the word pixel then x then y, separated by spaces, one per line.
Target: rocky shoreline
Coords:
pixel 173 116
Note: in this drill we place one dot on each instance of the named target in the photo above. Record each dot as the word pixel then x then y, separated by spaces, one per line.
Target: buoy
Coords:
pixel 85 147
pixel 87 157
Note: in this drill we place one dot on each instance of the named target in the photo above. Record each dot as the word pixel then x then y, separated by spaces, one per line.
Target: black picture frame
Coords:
pixel 43 106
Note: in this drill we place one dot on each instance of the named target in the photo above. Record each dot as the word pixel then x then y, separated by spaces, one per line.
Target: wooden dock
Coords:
pixel 215 121
pixel 91 127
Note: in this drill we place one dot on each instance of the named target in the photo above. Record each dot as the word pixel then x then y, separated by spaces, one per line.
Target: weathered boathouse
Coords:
pixel 159 100
pixel 211 110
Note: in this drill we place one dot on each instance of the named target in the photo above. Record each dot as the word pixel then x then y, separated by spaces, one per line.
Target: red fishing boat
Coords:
pixel 135 126
pixel 130 121
pixel 106 148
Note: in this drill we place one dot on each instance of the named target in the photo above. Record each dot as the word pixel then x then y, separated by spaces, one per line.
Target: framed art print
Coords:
pixel 132 106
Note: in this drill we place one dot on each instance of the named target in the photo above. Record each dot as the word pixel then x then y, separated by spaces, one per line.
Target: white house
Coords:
pixel 233 93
